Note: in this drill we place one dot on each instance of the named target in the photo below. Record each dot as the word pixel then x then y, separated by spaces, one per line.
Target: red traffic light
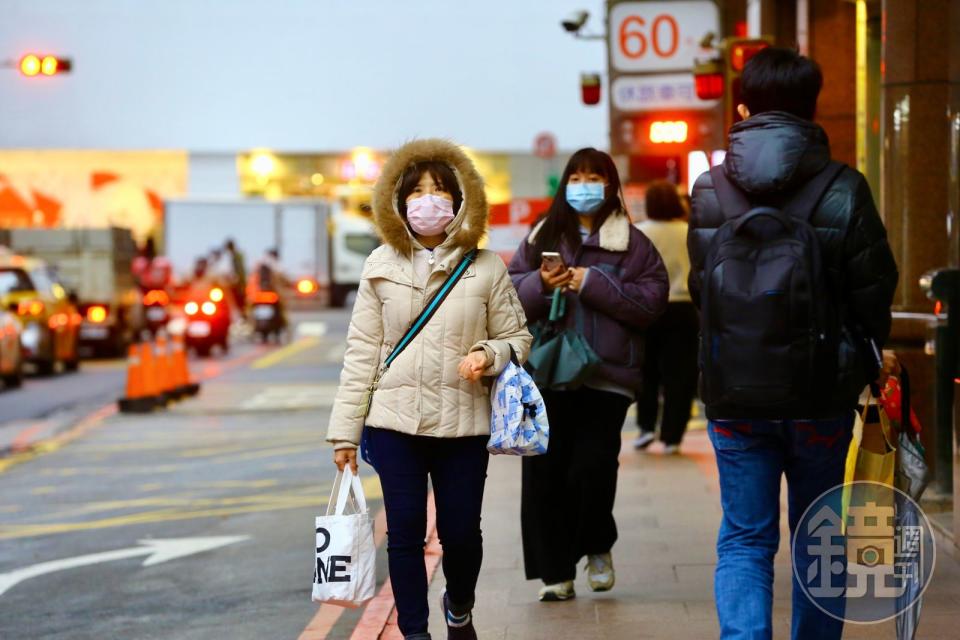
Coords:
pixel 590 88
pixel 741 52
pixel 709 86
pixel 33 65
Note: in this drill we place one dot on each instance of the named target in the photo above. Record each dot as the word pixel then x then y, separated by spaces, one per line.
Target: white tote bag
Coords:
pixel 344 571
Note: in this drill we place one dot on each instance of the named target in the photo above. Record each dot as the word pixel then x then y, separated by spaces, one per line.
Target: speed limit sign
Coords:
pixel 652 37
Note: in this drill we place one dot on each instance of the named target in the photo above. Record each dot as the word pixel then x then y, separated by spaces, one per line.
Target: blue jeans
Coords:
pixel 457 468
pixel 751 457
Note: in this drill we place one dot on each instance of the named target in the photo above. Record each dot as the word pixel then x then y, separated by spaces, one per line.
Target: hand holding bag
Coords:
pixel 345 566
pixel 561 358
pixel 518 419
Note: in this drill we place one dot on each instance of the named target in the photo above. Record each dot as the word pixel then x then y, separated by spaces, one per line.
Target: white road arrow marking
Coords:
pixel 157 550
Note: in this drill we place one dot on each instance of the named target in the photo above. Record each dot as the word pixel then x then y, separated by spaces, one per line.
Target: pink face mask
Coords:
pixel 429 215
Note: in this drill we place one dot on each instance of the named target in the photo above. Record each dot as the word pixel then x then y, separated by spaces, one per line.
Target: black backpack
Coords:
pixel 770 323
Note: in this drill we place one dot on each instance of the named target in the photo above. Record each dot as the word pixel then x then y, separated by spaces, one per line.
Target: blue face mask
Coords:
pixel 585 197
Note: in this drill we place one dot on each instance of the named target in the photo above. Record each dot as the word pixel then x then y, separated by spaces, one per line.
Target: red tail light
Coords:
pixel 97 314
pixel 266 297
pixel 156 297
pixel 306 286
pixel 30 308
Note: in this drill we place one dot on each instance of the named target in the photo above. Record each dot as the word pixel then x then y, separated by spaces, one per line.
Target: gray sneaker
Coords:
pixel 644 440
pixel 600 573
pixel 557 592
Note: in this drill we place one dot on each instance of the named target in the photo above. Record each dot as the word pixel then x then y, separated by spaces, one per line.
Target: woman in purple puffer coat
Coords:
pixel 612 278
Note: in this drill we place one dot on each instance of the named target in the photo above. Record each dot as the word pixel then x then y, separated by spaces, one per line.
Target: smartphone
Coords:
pixel 551 260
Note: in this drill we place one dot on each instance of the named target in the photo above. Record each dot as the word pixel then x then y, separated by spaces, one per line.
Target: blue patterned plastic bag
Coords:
pixel 518 421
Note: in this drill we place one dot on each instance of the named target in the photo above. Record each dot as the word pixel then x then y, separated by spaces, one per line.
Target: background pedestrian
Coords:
pixel 614 285
pixel 670 359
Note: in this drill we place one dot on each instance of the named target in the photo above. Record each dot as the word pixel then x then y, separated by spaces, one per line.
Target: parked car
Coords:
pixel 51 321
pixel 11 355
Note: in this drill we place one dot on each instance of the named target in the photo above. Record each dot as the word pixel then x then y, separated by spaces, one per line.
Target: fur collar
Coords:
pixel 614 234
pixel 470 224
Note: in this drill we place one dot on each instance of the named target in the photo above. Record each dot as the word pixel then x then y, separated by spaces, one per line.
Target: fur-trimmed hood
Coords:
pixel 470 223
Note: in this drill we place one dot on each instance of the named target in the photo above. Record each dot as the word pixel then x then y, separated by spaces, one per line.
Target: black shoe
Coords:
pixel 458 627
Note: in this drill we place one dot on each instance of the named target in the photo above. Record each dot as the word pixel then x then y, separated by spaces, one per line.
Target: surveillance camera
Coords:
pixel 575 21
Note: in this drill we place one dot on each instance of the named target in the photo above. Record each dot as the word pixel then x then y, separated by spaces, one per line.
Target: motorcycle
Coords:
pixel 156 303
pixel 268 318
pixel 208 323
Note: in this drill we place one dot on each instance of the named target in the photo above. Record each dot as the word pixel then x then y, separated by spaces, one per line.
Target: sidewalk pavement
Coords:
pixel 668 513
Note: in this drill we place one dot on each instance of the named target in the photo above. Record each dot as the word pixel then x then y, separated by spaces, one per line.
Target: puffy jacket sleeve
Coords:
pixel 529 286
pixel 871 271
pixel 506 323
pixel 360 364
pixel 638 295
pixel 700 232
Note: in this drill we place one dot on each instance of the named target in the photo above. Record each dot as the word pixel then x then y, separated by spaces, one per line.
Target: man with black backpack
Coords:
pixel 794 278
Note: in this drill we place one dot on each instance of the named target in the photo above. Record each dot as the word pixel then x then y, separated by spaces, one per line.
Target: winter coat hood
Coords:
pixel 775 151
pixel 470 223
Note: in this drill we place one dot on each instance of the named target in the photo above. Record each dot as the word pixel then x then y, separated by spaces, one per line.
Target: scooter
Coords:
pixel 268 318
pixel 156 310
pixel 208 323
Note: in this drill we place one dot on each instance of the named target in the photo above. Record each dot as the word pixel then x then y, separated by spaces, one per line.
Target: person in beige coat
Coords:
pixel 429 413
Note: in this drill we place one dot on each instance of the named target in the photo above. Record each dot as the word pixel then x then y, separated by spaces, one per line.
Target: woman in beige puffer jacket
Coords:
pixel 429 413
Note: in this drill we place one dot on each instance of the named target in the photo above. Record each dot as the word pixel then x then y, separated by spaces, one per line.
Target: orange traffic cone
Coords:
pixel 181 369
pixel 152 373
pixel 140 397
pixel 168 383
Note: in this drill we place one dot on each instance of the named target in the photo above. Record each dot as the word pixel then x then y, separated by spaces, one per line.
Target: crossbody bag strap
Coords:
pixel 431 308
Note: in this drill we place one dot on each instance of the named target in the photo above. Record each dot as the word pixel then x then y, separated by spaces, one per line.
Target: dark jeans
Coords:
pixel 751 457
pixel 457 468
pixel 568 493
pixel 670 364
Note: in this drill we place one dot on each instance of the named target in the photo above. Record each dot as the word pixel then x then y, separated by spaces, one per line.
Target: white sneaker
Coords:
pixel 557 592
pixel 671 450
pixel 644 440
pixel 600 573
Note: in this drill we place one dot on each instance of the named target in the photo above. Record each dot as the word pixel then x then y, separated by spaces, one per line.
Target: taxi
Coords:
pixel 11 356
pixel 50 321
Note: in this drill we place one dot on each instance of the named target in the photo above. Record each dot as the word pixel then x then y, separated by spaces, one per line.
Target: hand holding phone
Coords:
pixel 553 271
pixel 550 260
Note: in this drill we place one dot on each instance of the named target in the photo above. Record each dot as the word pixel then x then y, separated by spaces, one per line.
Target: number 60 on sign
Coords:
pixel 651 37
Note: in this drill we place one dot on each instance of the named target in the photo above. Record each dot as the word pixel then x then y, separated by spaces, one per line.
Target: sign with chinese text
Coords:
pixel 661 91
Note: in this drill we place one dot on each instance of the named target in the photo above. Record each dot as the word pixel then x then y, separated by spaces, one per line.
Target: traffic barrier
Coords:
pixel 141 396
pixel 186 386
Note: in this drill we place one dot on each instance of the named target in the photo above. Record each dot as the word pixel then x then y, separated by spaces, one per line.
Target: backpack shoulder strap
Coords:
pixel 804 201
pixel 733 201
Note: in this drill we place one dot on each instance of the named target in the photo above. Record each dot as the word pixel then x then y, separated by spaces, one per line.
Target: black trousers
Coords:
pixel 670 364
pixel 457 468
pixel 568 493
